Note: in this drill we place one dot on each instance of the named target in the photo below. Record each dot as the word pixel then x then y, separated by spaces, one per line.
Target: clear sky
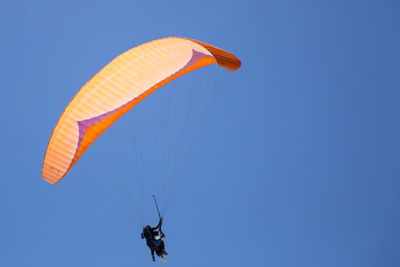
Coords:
pixel 297 165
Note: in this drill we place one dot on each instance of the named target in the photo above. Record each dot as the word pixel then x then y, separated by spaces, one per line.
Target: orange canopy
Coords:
pixel 117 88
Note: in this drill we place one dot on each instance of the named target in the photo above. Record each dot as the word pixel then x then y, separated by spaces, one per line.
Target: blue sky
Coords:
pixel 296 165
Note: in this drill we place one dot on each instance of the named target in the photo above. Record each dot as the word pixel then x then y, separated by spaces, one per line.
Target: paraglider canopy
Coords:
pixel 118 87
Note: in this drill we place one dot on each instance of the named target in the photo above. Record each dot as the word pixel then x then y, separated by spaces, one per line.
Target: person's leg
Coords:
pixel 152 254
pixel 159 252
pixel 163 248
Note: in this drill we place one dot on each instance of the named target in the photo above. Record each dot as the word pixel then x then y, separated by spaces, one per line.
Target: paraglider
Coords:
pixel 154 239
pixel 113 91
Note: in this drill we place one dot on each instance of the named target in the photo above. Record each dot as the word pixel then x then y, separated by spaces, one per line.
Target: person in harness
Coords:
pixel 154 240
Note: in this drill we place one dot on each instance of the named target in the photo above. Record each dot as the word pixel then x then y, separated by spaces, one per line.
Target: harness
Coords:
pixel 151 242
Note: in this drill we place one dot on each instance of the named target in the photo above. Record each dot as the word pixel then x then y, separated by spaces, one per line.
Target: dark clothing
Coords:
pixel 150 238
pixel 160 250
pixel 158 246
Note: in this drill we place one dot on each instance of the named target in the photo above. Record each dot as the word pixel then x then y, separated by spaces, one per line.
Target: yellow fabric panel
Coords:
pixel 118 87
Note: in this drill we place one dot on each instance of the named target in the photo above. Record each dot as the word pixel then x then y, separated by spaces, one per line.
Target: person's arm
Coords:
pixel 162 233
pixel 142 235
pixel 158 225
